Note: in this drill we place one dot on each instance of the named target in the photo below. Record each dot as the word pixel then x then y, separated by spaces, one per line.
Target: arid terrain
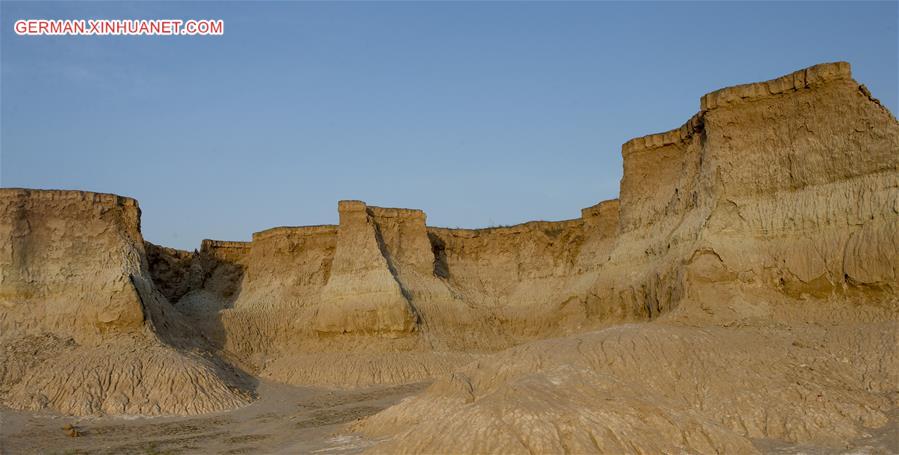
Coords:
pixel 741 296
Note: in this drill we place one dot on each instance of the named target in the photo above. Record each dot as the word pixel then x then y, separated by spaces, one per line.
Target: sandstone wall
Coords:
pixel 225 251
pixel 601 228
pixel 505 256
pixel 285 272
pixel 810 204
pixel 520 281
pixel 788 184
pixel 363 293
pixel 382 282
pixel 67 261
pixel 250 299
pixel 285 267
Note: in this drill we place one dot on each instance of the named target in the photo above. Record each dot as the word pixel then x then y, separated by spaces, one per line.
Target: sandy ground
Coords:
pixel 285 419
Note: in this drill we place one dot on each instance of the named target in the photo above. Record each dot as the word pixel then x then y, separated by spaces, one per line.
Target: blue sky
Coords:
pixel 477 113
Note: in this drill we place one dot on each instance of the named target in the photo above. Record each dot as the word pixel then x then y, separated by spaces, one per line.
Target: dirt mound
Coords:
pixel 657 388
pixel 128 376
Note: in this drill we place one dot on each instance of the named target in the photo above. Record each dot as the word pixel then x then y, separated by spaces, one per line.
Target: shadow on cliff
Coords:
pixel 209 285
pixel 217 284
pixel 177 330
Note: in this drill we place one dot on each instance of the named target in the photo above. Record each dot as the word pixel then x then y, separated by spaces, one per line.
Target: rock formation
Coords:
pixel 82 327
pixel 762 237
pixel 743 287
pixel 363 293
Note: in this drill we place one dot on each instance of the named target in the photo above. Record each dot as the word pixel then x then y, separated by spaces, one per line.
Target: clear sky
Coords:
pixel 478 113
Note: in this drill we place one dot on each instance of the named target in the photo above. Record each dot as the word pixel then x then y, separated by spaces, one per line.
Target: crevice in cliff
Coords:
pixel 388 259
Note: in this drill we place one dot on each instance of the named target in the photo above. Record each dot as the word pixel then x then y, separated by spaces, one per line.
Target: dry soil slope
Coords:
pixel 765 246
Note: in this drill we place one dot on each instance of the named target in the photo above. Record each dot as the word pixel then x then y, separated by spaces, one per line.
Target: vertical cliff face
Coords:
pixel 171 270
pixel 660 215
pixel 515 281
pixel 601 231
pixel 67 263
pixel 491 263
pixel 286 267
pixel 363 293
pixel 256 299
pixel 285 272
pixel 804 193
pixel 785 184
pixel 404 241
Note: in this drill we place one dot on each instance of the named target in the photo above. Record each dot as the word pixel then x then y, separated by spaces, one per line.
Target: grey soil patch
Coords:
pixel 877 441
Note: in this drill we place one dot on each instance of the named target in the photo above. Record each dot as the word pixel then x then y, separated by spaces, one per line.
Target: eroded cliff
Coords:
pixel 82 328
pixel 762 239
pixel 382 284
pixel 744 286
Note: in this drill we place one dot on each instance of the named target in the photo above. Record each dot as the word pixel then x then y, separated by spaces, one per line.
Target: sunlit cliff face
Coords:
pixel 749 264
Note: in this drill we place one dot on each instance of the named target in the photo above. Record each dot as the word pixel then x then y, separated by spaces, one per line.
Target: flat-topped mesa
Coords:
pixel 362 295
pixel 103 199
pixel 351 205
pixel 68 263
pixel 734 125
pixel 751 168
pixel 403 237
pixel 392 212
pixel 774 192
pixel 798 80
